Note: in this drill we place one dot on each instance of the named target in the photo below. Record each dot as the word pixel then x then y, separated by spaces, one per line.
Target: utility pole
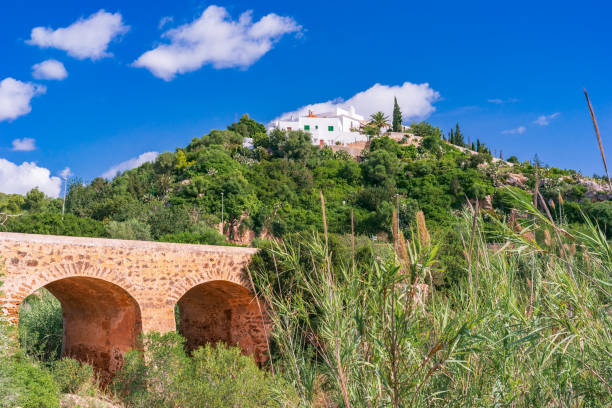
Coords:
pixel 64 201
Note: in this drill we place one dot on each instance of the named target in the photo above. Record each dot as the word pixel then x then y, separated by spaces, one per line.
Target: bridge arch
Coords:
pixel 222 311
pixel 101 319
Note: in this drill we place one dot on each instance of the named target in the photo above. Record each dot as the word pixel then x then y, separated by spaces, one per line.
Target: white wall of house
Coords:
pixel 329 128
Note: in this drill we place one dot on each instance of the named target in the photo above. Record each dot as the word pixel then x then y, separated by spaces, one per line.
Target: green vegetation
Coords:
pixel 274 188
pixel 215 377
pixel 40 326
pixel 23 381
pixel 397 117
pixel 507 306
pixel 528 326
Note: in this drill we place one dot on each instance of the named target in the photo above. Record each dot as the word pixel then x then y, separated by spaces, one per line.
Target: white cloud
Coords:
pixel 214 38
pixel 164 21
pixel 49 69
pixel 130 164
pixel 517 131
pixel 415 101
pixel 27 144
pixel 544 120
pixel 86 38
pixel 499 101
pixel 15 97
pixel 20 179
pixel 65 173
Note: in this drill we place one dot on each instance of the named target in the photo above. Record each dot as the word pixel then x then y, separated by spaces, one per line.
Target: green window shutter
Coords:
pixel 330 128
pixel 306 127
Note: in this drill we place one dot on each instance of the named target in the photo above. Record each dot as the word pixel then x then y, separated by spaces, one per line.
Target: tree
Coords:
pixel 370 131
pixel 379 120
pixel 381 166
pixel 246 126
pixel 424 129
pixel 397 117
pixel 34 200
pixel 459 139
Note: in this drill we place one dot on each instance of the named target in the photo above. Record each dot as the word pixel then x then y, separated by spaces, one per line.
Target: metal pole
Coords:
pixel 64 201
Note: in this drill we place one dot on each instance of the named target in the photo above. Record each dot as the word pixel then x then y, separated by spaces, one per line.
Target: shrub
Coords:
pixel 130 229
pixel 72 376
pixel 23 383
pixel 199 234
pixel 215 377
pixel 40 326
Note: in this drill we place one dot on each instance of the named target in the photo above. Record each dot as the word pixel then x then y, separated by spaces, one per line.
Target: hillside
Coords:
pixel 273 190
pixel 502 307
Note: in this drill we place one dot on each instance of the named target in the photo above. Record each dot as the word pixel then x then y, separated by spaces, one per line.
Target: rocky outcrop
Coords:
pixel 596 191
pixel 516 179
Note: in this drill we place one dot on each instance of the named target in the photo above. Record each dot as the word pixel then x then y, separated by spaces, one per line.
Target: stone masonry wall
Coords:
pixel 126 287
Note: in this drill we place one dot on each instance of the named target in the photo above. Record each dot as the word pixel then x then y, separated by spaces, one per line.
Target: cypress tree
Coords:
pixel 459 136
pixel 397 117
pixel 451 137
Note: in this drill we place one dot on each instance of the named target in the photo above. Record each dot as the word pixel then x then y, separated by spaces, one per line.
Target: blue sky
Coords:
pixel 511 74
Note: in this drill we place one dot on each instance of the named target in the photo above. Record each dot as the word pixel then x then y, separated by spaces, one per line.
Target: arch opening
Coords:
pixel 101 321
pixel 222 311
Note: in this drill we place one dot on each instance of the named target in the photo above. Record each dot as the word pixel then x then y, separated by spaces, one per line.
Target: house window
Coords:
pixel 330 128
pixel 306 127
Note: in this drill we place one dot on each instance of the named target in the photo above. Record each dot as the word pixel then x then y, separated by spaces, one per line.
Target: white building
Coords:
pixel 339 127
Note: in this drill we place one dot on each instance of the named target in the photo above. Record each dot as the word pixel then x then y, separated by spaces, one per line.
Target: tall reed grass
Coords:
pixel 530 327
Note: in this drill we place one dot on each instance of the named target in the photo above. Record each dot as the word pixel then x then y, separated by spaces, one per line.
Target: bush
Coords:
pixel 130 229
pixel 199 234
pixel 72 376
pixel 40 326
pixel 23 383
pixel 220 376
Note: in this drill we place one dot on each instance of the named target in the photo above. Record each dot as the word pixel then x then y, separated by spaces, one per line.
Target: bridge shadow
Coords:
pixel 222 311
pixel 101 321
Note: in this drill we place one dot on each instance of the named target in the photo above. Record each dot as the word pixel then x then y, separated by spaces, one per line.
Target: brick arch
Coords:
pixel 223 311
pixel 36 279
pixel 102 321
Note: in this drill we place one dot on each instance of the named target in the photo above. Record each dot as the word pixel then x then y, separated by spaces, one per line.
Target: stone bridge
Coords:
pixel 112 290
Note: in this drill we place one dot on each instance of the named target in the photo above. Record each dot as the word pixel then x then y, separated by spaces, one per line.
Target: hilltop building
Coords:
pixel 331 128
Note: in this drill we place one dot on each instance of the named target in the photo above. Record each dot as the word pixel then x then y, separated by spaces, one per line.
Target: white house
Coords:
pixel 339 127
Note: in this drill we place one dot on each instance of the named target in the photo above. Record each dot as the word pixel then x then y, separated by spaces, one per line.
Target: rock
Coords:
pixel 596 191
pixel 515 179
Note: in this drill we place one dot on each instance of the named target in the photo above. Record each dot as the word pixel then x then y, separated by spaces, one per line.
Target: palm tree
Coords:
pixel 379 120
